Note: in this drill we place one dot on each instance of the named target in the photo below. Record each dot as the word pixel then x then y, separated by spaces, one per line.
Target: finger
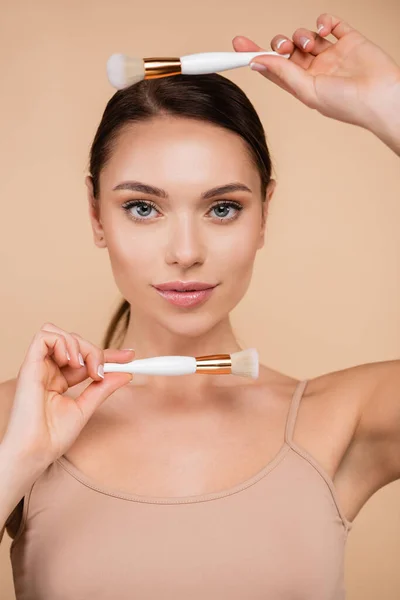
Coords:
pixel 106 355
pixel 85 356
pixel 45 344
pixel 244 44
pixel 279 43
pixel 289 76
pixel 327 24
pixel 73 350
pixel 241 43
pixel 75 376
pixel 310 41
pixel 98 391
pixel 117 355
pixel 284 45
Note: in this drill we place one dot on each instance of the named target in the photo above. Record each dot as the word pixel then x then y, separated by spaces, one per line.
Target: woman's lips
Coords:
pixel 186 298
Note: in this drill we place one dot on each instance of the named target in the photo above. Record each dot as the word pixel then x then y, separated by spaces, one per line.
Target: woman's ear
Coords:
pixel 94 214
pixel 265 206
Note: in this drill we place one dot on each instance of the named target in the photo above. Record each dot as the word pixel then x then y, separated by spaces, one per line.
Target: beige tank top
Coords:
pixel 279 535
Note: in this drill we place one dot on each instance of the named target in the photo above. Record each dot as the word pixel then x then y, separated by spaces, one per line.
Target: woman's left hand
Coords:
pixel 351 80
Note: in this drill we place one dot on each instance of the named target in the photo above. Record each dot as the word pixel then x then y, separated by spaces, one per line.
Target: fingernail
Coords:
pixel 320 28
pixel 128 349
pixel 258 67
pixel 81 361
pixel 304 41
pixel 68 356
pixel 279 44
pixel 100 371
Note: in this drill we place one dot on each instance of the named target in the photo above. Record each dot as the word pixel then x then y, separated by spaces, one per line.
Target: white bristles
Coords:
pixel 245 363
pixel 123 71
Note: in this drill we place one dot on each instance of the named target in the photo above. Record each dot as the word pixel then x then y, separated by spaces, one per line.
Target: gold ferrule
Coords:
pixel 220 364
pixel 154 68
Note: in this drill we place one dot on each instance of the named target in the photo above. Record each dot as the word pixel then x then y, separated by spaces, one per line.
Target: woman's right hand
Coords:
pixel 351 79
pixel 44 421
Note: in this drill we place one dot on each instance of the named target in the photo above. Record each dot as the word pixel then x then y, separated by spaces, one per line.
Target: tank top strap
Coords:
pixel 293 410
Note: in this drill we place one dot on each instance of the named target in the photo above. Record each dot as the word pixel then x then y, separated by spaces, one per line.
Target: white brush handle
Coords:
pixel 158 365
pixel 211 62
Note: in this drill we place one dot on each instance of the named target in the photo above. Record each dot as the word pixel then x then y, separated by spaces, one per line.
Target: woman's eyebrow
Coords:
pixel 144 188
pixel 225 189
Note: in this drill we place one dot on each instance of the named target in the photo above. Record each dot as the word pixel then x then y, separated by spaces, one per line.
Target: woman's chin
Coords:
pixel 191 325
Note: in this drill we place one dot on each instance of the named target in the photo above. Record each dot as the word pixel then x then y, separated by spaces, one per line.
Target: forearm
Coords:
pixel 385 119
pixel 16 476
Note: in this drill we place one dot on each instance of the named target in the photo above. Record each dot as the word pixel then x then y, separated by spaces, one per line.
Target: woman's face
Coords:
pixel 175 232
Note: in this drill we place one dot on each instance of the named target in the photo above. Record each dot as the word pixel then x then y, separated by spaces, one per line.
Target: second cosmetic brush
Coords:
pixel 243 363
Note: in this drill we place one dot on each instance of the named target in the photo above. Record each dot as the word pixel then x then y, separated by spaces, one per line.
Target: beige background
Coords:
pixel 326 288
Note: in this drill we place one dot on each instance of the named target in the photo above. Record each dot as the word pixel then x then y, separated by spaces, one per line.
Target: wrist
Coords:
pixel 384 119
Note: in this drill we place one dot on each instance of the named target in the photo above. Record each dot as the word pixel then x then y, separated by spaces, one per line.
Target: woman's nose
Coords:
pixel 184 245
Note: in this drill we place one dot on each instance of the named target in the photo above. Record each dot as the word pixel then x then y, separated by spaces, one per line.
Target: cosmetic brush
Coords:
pixel 243 363
pixel 123 70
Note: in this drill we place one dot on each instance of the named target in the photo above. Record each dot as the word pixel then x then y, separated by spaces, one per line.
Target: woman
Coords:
pixel 200 487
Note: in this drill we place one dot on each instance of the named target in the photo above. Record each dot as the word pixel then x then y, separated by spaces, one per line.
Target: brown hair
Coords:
pixel 212 98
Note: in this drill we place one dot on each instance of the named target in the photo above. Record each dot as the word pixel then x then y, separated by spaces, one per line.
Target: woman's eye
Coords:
pixel 144 209
pixel 222 211
pixel 222 208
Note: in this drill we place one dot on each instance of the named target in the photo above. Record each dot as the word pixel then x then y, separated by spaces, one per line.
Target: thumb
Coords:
pixel 289 76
